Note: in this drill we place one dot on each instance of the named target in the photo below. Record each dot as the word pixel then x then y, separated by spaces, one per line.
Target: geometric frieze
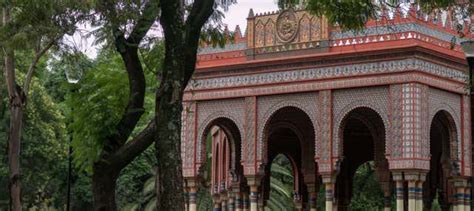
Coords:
pixel 350 70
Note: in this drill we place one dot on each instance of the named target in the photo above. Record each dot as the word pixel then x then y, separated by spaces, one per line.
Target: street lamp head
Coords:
pixel 468 48
pixel 73 75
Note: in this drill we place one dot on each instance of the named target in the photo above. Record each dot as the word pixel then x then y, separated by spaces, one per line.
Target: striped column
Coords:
pixel 313 194
pixel 253 182
pixel 399 190
pixel 467 198
pixel 329 186
pixel 459 196
pixel 216 199
pixel 231 201
pixel 238 201
pixel 191 195
pixel 245 202
pixel 419 192
pixel 253 198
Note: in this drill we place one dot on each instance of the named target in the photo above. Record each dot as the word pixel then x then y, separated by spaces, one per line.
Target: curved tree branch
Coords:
pixel 200 13
pixel 32 67
pixel 128 49
pixel 134 147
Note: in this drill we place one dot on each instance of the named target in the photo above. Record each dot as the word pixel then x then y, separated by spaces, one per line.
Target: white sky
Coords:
pixel 236 15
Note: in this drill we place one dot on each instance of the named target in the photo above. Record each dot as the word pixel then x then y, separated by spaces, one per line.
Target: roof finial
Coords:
pixel 251 15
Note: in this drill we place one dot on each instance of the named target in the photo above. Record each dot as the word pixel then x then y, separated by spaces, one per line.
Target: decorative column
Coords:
pixel 223 201
pixel 245 201
pixel 216 198
pixel 191 194
pixel 231 201
pixel 329 184
pixel 399 190
pixel 237 193
pixel 298 201
pixel 313 194
pixel 459 185
pixel 467 198
pixel 260 203
pixel 419 192
pixel 254 183
pixel 412 179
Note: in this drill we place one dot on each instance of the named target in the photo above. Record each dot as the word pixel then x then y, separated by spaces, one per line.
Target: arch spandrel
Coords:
pixel 345 101
pixel 208 112
pixel 450 103
pixel 268 105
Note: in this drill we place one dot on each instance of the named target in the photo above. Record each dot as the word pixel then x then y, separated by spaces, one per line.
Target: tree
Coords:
pixel 43 149
pixel 116 150
pixel 181 31
pixel 33 28
pixel 352 15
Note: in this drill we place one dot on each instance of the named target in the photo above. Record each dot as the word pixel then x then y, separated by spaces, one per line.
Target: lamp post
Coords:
pixel 73 76
pixel 468 48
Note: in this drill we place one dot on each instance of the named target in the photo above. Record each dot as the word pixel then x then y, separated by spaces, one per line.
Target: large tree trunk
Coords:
pixel 169 180
pixel 16 102
pixel 181 42
pixel 14 156
pixel 103 185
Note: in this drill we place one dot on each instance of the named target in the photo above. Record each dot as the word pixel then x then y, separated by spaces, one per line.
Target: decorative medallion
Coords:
pixel 287 25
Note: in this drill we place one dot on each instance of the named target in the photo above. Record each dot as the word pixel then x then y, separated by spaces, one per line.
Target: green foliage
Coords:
pixel 281 184
pixel 348 14
pixel 367 194
pixel 353 14
pixel 96 106
pixel 44 150
pixel 34 22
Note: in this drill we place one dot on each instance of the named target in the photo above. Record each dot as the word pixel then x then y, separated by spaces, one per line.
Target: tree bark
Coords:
pixel 14 156
pixel 181 43
pixel 103 185
pixel 169 182
pixel 16 101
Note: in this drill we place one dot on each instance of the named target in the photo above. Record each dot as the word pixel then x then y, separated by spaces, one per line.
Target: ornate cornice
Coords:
pixel 348 70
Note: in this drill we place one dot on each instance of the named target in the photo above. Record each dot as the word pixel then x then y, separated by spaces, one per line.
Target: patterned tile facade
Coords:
pixel 324 143
pixel 208 111
pixel 450 103
pixel 466 135
pixel 268 105
pixel 375 98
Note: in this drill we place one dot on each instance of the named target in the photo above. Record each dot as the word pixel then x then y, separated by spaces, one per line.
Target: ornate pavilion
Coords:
pixel 394 93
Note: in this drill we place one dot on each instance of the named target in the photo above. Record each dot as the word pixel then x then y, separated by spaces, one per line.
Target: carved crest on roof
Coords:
pixel 277 33
pixel 287 25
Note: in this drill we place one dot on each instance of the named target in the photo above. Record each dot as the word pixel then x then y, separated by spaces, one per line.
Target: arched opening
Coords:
pixel 362 134
pixel 443 163
pixel 290 132
pixel 220 169
pixel 281 184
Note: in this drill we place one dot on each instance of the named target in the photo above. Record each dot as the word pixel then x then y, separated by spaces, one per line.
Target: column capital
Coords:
pixel 191 182
pixel 329 178
pixel 459 182
pixel 412 176
pixel 253 180
pixel 311 187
